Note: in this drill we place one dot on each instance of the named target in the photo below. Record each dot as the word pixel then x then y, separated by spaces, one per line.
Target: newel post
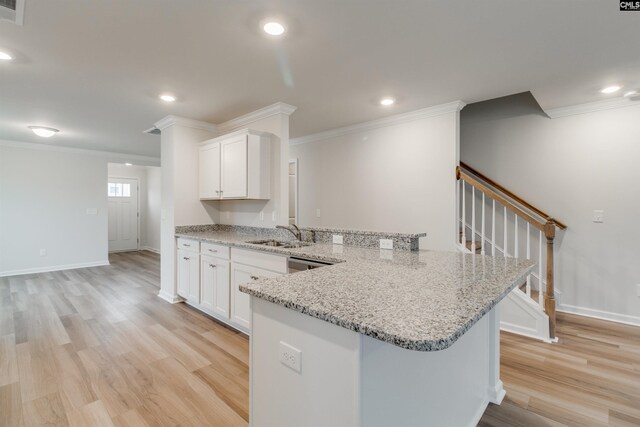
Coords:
pixel 549 298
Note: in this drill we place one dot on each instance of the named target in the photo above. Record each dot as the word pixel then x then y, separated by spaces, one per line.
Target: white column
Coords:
pixel 180 202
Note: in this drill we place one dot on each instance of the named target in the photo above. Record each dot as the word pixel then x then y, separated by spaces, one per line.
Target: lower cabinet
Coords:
pixel 189 276
pixel 214 285
pixel 241 302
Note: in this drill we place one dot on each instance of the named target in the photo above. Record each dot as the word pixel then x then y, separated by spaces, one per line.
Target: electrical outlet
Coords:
pixel 274 216
pixel 337 239
pixel 43 252
pixel 386 244
pixel 598 216
pixel 290 356
pixel 92 211
pixel 317 213
pixel 261 215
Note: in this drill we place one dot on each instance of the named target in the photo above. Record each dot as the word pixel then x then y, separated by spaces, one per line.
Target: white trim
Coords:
pixel 112 156
pixel 423 113
pixel 590 107
pixel 526 332
pixel 599 314
pixel 150 249
pixel 244 131
pixel 138 216
pixel 262 113
pixel 53 268
pixel 170 120
pixel 173 299
pixel 480 412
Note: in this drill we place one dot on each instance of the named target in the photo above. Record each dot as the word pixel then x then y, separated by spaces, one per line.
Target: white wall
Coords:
pixel 399 177
pixel 570 167
pixel 44 197
pixel 151 239
pixel 149 199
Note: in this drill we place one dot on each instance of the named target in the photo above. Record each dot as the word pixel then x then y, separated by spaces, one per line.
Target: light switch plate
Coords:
pixel 337 239
pixel 386 244
pixel 274 216
pixel 290 356
pixel 43 252
pixel 638 289
pixel 598 216
pixel 317 213
pixel 92 211
pixel 261 215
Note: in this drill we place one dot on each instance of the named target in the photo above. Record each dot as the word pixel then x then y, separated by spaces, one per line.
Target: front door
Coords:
pixel 123 214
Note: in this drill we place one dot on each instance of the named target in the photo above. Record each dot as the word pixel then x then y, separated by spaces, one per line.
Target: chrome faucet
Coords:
pixel 297 233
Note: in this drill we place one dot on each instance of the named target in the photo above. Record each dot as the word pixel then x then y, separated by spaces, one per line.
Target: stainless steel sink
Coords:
pixel 278 243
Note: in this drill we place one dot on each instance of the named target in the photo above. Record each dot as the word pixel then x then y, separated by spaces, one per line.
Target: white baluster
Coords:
pixel 540 270
pixel 473 219
pixel 464 217
pixel 515 230
pixel 528 257
pixel 493 228
pixel 482 243
pixel 504 248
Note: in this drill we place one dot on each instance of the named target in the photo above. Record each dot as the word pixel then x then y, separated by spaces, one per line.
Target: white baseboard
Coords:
pixel 169 298
pixel 150 249
pixel 599 314
pixel 53 268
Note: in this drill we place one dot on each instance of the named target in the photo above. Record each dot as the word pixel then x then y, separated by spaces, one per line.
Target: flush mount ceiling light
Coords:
pixel 273 28
pixel 611 89
pixel 43 131
pixel 128 164
pixel 387 101
pixel 4 56
pixel 630 93
pixel 168 98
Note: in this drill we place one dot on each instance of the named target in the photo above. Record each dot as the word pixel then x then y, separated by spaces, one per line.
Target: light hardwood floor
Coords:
pixel 96 346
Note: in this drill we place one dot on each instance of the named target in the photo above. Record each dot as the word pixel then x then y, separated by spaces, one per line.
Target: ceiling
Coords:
pixel 94 68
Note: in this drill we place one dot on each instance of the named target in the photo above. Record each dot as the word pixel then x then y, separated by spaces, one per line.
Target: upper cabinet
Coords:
pixel 236 166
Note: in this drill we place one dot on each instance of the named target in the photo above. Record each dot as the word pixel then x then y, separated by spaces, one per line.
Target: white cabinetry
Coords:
pixel 214 284
pixel 247 265
pixel 188 274
pixel 236 166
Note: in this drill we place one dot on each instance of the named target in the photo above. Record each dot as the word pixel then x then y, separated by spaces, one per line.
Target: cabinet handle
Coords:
pixel 186 258
pixel 217 191
pixel 212 265
pixel 186 244
pixel 213 250
pixel 254 277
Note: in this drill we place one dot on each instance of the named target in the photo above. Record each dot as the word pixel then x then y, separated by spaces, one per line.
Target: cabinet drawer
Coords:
pixel 277 263
pixel 218 251
pixel 188 244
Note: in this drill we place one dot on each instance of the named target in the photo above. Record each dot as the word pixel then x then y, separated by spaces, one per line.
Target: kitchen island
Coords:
pixel 379 338
pixel 382 339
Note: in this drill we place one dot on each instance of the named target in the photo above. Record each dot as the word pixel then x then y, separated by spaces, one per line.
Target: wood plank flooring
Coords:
pixel 97 347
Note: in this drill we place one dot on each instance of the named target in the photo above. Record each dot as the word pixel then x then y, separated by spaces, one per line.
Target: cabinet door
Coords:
pixel 234 167
pixel 214 285
pixel 241 302
pixel 194 278
pixel 187 272
pixel 209 172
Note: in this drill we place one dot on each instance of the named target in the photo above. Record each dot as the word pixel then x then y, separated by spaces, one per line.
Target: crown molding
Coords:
pixel 246 119
pixel 168 121
pixel 111 156
pixel 423 113
pixel 590 107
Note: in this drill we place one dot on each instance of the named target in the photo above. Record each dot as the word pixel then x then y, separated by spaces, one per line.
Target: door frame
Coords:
pixel 137 180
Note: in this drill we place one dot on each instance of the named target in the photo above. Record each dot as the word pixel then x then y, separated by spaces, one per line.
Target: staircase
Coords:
pixel 494 221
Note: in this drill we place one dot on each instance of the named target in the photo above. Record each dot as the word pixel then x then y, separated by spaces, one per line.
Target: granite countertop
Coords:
pixel 420 300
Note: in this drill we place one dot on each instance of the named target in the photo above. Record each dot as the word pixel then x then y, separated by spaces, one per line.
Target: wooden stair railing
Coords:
pixel 520 208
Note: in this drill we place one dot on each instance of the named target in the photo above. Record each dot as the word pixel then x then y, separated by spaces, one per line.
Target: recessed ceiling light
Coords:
pixel 631 93
pixel 43 131
pixel 128 164
pixel 4 56
pixel 387 101
pixel 273 28
pixel 611 89
pixel 168 98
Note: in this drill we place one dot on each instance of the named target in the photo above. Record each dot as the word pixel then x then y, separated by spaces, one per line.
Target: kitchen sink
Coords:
pixel 279 244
